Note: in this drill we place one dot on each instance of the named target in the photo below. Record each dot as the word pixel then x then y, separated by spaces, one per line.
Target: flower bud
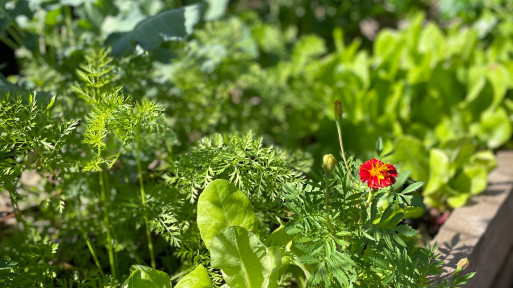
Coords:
pixel 338 110
pixel 328 163
pixel 463 264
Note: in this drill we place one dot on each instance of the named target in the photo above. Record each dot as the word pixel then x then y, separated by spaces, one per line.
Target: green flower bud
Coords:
pixel 463 264
pixel 338 110
pixel 328 163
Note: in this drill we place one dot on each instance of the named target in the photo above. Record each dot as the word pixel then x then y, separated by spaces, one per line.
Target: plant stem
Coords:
pixel 370 197
pixel 8 42
pixel 93 254
pixel 341 142
pixel 107 225
pixel 143 195
pixel 15 35
pixel 16 209
pixel 326 202
pixel 68 17
pixel 455 273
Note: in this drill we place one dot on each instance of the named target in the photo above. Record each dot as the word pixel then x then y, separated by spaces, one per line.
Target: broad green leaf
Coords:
pixel 446 88
pixel 167 25
pixel 401 179
pixel 222 205
pixel 430 109
pixel 460 183
pixel 413 212
pixel 432 42
pixel 459 151
pixel 386 43
pixel 458 200
pixel 439 171
pixel 198 278
pixel 485 159
pixel 129 15
pixel 412 187
pixel 411 154
pixel 406 230
pixel 495 128
pixel 413 32
pixel 244 259
pixel 475 82
pixel 478 179
pixel 278 238
pixel 216 9
pixel 388 47
pixel 379 146
pixel 500 79
pixel 146 277
pixel 462 43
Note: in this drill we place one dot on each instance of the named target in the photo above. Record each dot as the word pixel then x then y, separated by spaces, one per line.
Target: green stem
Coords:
pixel 16 209
pixel 370 197
pixel 341 142
pixel 326 192
pixel 93 254
pixel 15 35
pixel 69 26
pixel 143 195
pixel 326 202
pixel 107 225
pixel 8 42
pixel 455 273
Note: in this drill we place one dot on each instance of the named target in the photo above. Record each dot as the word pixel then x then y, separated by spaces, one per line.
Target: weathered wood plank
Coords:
pixel 483 230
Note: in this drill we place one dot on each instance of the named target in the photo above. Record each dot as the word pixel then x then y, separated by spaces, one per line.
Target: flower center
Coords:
pixel 378 171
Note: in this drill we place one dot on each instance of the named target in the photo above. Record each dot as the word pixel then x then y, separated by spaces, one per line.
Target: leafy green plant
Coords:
pixel 30 139
pixel 145 159
pixel 249 74
pixel 362 235
pixel 256 170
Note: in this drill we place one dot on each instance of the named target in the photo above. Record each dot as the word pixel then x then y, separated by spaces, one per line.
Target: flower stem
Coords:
pixel 339 129
pixel 372 192
pixel 326 202
pixel 143 195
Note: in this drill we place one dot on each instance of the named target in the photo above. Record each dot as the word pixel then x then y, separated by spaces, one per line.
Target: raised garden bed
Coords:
pixel 483 231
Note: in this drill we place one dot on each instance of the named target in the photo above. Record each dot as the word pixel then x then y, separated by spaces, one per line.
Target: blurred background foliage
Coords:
pixel 433 79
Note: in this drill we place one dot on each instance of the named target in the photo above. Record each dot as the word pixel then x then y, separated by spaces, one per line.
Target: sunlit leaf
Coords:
pixel 244 259
pixel 222 205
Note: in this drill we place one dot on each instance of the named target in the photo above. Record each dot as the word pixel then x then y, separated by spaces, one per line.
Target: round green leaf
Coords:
pixel 222 205
pixel 174 24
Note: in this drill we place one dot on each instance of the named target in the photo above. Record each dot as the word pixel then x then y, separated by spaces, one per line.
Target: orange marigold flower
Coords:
pixel 377 174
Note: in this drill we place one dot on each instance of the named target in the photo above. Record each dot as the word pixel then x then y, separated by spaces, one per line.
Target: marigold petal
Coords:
pixel 377 174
